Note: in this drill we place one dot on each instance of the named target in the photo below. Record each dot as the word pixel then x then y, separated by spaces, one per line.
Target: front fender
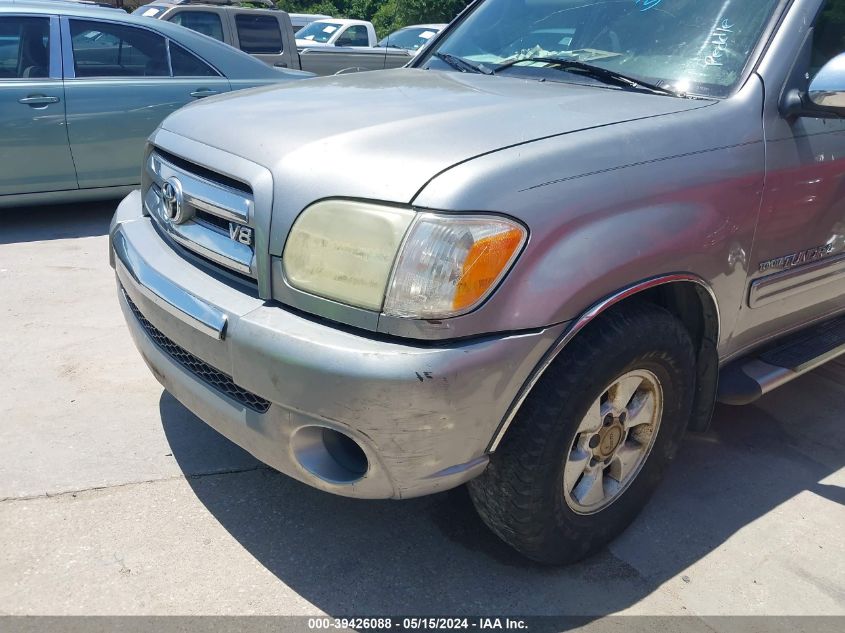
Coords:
pixel 605 214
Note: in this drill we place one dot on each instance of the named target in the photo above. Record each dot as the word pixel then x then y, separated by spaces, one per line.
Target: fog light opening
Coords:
pixel 329 455
pixel 345 452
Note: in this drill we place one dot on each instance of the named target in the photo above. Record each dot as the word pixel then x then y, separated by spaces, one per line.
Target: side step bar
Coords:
pixel 744 381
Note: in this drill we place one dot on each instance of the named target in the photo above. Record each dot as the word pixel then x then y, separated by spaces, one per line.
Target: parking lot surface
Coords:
pixel 116 500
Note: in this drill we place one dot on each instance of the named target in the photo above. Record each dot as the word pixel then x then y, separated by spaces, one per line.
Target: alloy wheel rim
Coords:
pixel 613 441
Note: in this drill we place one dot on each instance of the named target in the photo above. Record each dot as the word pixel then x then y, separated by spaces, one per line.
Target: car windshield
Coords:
pixel 318 32
pixel 148 11
pixel 411 39
pixel 691 46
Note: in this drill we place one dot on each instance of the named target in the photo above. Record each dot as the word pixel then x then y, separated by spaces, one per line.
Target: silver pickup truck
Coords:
pixel 270 35
pixel 529 262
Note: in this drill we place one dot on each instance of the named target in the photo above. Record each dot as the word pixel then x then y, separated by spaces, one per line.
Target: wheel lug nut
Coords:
pixel 594 441
pixel 594 462
pixel 622 417
pixel 608 419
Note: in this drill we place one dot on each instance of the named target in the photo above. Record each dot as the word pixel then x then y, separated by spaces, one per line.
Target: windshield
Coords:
pixel 690 46
pixel 411 39
pixel 148 11
pixel 318 32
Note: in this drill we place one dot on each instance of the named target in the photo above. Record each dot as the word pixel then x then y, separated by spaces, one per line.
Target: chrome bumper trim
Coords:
pixel 164 293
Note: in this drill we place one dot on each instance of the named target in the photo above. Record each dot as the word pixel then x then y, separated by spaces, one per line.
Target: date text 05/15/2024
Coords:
pixel 418 624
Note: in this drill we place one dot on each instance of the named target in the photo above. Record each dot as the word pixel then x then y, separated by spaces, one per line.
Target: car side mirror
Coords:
pixel 824 98
pixel 827 88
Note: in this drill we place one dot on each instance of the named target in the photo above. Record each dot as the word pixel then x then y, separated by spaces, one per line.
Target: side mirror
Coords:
pixel 827 88
pixel 825 98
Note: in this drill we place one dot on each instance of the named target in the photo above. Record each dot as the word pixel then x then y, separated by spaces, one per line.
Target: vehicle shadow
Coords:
pixel 434 556
pixel 56 222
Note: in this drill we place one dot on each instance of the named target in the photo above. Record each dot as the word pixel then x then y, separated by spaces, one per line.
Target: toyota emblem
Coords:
pixel 171 194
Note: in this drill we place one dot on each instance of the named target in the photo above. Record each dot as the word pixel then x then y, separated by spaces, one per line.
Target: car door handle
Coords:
pixel 38 100
pixel 281 65
pixel 204 92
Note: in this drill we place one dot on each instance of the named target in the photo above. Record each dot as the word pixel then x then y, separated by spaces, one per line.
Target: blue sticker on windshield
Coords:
pixel 647 4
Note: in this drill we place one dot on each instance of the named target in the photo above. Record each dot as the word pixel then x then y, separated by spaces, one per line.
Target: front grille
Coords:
pixel 213 220
pixel 202 370
pixel 203 208
pixel 201 171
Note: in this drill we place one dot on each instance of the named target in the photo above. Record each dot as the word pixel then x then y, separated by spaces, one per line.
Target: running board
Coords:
pixel 744 381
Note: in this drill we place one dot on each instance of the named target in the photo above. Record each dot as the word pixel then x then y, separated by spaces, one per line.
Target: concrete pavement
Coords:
pixel 116 500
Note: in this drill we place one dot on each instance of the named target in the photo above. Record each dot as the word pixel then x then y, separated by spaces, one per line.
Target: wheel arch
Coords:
pixel 689 298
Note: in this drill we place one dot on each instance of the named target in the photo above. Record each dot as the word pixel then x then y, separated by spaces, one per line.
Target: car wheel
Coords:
pixel 592 440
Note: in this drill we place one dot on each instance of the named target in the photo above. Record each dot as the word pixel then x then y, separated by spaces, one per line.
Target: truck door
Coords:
pixel 34 151
pixel 797 266
pixel 355 36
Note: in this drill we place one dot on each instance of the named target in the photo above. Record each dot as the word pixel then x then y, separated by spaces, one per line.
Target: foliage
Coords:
pixel 386 15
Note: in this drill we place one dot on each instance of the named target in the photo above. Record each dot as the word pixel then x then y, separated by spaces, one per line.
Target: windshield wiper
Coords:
pixel 595 72
pixel 459 63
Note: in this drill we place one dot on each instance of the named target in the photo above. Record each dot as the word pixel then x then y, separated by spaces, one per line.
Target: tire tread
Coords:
pixel 512 495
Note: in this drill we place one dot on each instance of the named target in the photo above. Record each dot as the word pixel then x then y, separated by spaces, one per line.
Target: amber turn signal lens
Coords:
pixel 484 265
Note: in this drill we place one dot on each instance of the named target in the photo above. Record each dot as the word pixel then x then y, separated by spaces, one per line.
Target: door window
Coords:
pixel 354 36
pixel 203 22
pixel 187 64
pixel 24 47
pixel 104 49
pixel 259 34
pixel 828 35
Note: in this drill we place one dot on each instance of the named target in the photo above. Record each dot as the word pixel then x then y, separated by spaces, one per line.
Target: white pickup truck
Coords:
pixel 333 45
pixel 337 32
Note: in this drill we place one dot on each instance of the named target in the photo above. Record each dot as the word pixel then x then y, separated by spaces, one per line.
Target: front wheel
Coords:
pixel 593 439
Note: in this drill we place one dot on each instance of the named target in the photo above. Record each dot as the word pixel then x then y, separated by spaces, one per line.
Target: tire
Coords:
pixel 521 494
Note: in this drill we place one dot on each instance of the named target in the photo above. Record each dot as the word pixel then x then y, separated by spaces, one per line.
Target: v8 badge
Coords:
pixel 242 234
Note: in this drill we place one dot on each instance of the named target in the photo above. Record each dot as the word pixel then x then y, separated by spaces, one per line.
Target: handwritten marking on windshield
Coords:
pixel 719 39
pixel 647 4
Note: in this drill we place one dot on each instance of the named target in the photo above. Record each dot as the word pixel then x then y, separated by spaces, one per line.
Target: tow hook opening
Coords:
pixel 330 455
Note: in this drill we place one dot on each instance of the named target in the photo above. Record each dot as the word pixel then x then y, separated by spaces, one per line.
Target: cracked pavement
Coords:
pixel 115 500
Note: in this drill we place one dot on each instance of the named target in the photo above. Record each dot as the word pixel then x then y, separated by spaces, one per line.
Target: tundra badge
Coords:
pixel 796 259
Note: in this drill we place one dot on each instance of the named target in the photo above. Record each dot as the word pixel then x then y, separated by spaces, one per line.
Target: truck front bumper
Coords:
pixel 293 390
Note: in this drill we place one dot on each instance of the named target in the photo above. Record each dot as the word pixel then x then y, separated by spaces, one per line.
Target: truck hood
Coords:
pixel 384 135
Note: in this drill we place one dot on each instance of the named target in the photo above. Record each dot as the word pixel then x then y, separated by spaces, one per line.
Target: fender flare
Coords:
pixel 580 323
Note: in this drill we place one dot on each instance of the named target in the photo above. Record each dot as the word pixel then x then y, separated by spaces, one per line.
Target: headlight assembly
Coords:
pixel 344 251
pixel 450 263
pixel 400 262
